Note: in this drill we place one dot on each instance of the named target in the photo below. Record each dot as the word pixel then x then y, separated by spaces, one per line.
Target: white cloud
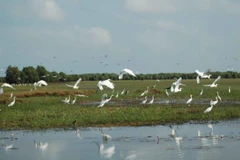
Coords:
pixel 173 6
pixel 48 10
pixel 150 6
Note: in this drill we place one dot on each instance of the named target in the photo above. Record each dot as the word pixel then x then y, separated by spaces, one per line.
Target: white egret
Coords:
pixel 144 101
pixel 1 90
pixel 123 91
pixel 229 89
pixel 106 83
pixel 126 71
pixel 11 95
pixel 189 100
pixel 13 102
pixel 203 74
pixel 107 152
pixel 145 92
pixel 66 100
pixel 172 133
pixel 104 100
pixel 214 102
pixel 75 86
pixel 74 100
pixel 167 93
pixel 201 92
pixel 175 86
pixel 41 145
pixel 7 85
pixel 219 96
pixel 198 79
pixel 151 101
pixel 106 136
pixel 208 109
pixel 116 95
pixel 81 95
pixel 214 83
pixel 42 82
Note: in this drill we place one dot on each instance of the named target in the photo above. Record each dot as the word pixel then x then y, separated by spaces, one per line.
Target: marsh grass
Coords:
pixel 43 108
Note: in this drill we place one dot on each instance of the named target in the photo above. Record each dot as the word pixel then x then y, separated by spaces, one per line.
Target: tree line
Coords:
pixel 30 75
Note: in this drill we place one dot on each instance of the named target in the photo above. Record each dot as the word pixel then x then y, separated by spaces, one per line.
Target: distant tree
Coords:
pixel 31 74
pixel 12 74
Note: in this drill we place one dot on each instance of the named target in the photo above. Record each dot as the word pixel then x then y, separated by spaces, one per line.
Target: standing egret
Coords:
pixel 1 90
pixel 219 96
pixel 198 80
pixel 208 109
pixel 105 136
pixel 229 89
pixel 214 102
pixel 145 92
pixel 126 71
pixel 104 100
pixel 167 93
pixel 151 101
pixel 144 101
pixel 75 86
pixel 13 102
pixel 7 85
pixel 123 91
pixel 116 95
pixel 106 83
pixel 189 100
pixel 214 83
pixel 201 92
pixel 74 100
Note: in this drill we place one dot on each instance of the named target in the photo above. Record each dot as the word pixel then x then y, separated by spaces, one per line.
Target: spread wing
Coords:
pixel 69 85
pixel 199 73
pixel 218 78
pixel 78 81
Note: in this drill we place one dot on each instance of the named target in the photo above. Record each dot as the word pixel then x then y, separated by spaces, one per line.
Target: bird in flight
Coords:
pixel 75 86
pixel 126 71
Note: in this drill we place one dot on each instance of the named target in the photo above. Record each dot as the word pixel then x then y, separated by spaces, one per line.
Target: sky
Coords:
pixel 146 36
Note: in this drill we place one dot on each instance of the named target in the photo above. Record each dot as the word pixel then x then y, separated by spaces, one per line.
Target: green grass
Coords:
pixel 43 108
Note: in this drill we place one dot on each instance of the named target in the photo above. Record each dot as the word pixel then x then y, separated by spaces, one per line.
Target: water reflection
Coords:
pixel 187 141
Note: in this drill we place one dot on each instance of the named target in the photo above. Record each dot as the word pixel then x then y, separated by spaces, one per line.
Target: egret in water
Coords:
pixel 104 100
pixel 126 71
pixel 7 85
pixel 189 100
pixel 106 83
pixel 106 136
pixel 13 102
pixel 151 101
pixel 219 96
pixel 41 145
pixel 144 101
pixel 208 109
pixel 214 84
pixel 75 86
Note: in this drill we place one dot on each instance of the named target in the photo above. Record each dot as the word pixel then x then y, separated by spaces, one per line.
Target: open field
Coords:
pixel 43 108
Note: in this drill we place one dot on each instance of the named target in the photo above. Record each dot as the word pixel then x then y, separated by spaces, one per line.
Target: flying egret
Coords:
pixel 75 86
pixel 208 109
pixel 42 82
pixel 203 74
pixel 81 95
pixel 189 100
pixel 214 83
pixel 144 101
pixel 175 86
pixel 126 71
pixel 151 101
pixel 13 102
pixel 104 100
pixel 106 83
pixel 66 100
pixel 7 85
pixel 219 96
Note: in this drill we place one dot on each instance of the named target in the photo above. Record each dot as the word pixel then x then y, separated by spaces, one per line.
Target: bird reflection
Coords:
pixel 106 152
pixel 41 145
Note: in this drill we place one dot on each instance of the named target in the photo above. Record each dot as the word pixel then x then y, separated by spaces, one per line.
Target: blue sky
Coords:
pixel 146 36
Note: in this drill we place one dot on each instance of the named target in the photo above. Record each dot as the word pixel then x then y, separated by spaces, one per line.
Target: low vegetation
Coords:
pixel 43 107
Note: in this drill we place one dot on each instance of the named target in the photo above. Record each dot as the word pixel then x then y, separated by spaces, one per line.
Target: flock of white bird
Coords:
pixel 174 88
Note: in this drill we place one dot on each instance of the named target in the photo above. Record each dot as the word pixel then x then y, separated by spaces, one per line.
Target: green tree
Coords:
pixel 12 74
pixel 31 74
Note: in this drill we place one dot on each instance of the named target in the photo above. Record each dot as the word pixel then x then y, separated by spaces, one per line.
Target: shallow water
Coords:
pixel 217 141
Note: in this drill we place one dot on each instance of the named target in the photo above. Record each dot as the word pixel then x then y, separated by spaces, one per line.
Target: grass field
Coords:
pixel 43 108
